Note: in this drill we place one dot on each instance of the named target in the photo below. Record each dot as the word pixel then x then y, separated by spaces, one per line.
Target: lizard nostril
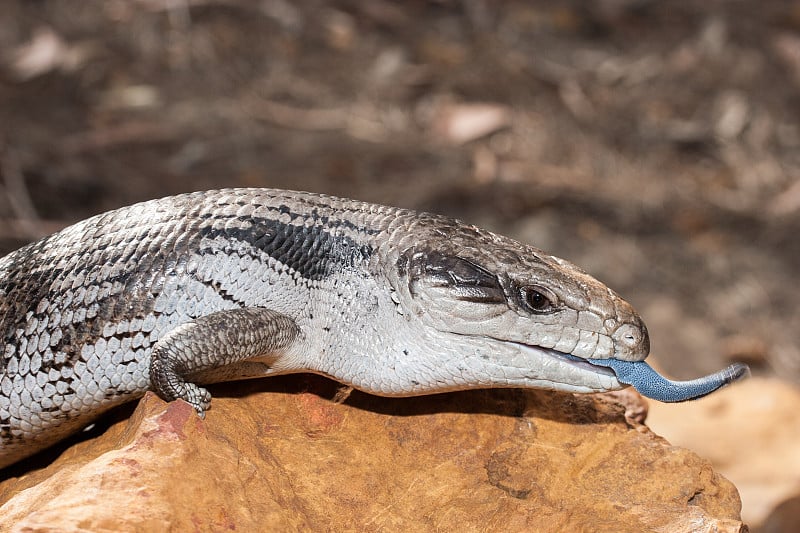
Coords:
pixel 630 340
pixel 627 335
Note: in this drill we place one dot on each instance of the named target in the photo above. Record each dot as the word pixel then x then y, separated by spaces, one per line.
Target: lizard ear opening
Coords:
pixel 464 279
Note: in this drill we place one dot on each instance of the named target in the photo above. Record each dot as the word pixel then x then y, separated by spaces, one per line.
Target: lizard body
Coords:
pixel 239 283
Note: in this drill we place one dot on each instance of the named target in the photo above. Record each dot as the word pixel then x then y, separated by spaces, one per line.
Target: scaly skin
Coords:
pixel 240 283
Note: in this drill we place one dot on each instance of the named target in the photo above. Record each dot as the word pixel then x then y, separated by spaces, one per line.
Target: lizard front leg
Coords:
pixel 206 345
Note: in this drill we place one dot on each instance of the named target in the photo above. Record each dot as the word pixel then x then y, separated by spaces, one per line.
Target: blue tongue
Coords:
pixel 653 385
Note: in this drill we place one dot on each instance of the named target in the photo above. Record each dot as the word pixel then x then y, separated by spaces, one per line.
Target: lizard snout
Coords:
pixel 631 341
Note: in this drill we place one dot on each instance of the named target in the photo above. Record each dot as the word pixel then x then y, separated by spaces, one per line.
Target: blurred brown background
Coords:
pixel 656 144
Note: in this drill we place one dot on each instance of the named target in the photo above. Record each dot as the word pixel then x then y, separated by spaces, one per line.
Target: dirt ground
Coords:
pixel 656 144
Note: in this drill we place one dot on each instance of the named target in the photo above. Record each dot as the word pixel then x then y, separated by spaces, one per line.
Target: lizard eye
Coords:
pixel 538 299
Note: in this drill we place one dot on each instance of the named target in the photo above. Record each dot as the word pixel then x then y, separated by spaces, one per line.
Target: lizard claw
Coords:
pixel 197 397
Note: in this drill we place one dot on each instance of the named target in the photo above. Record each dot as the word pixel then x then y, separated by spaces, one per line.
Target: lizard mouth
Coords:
pixel 580 362
pixel 566 359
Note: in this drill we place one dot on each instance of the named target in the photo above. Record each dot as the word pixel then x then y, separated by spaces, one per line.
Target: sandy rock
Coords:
pixel 750 432
pixel 289 460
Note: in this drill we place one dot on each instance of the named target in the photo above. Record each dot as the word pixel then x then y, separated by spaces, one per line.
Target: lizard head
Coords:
pixel 509 311
pixel 498 313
